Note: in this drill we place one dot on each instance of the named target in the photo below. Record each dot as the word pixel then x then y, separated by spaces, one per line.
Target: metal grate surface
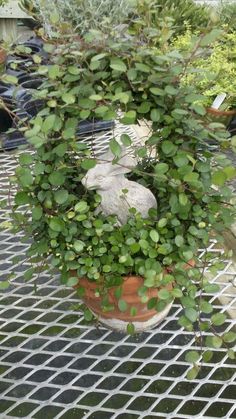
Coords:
pixel 54 365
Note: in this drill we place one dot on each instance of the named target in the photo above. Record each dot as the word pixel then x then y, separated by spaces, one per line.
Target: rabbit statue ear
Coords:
pixel 124 163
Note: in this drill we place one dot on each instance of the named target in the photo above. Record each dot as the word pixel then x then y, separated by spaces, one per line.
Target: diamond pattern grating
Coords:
pixel 54 365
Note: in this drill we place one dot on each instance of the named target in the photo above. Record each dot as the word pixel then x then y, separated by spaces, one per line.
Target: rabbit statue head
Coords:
pixel 101 177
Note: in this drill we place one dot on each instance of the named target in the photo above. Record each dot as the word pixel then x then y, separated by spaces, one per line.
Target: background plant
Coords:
pixel 180 12
pixel 227 13
pixel 79 15
pixel 216 71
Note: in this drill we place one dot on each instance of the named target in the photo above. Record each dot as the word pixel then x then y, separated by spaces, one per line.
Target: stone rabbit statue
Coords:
pixel 118 194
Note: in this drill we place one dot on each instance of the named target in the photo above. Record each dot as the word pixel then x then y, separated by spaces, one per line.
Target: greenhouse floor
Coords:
pixel 54 365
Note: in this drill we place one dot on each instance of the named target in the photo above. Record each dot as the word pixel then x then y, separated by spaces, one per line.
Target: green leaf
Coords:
pixel 26 178
pixel 122 97
pixel 88 164
pixel 135 247
pixel 118 65
pixel 218 319
pixel 54 71
pixel 168 147
pixel 161 168
pixel 155 115
pixel 88 315
pixel 129 118
pixel 192 356
pixel 179 241
pixel 48 123
pixel 4 285
pixel 61 196
pixel 191 314
pixel 206 307
pixel 56 178
pixel 73 70
pixel 106 268
pixel 78 245
pixel 219 178
pixel 183 199
pixel 26 159
pixel 36 141
pixel 217 342
pixel 193 373
pixel 90 104
pixel 133 311
pixel 188 255
pixel 130 329
pixel 154 236
pixel 210 37
pixel 37 213
pixel 84 114
pixel 180 159
pixel 229 337
pixel 55 17
pixel 144 107
pixel 170 90
pixel 72 281
pixel 81 207
pixel 199 109
pixel 231 354
pixel 152 303
pixel 8 78
pixel 22 198
pixel 143 243
pixel 29 274
pixel 60 150
pixel 115 147
pixel 207 356
pixel 163 294
pixel 177 293
pixel 142 67
pixel 122 305
pixel 56 224
pixel 230 172
pixel 162 222
pixel 157 92
pixel 126 140
pixel 68 98
pixel 211 288
pixel 99 57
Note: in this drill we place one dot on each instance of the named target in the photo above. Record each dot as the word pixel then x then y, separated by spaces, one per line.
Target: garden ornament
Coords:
pixel 118 194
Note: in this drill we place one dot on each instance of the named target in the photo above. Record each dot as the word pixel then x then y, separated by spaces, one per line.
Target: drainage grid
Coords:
pixel 54 365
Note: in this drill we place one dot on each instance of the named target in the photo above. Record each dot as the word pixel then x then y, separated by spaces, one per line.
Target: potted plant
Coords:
pixel 70 219
pixel 215 76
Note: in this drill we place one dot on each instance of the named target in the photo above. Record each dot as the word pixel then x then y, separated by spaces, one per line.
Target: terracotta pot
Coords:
pixel 118 320
pixel 3 55
pixel 219 113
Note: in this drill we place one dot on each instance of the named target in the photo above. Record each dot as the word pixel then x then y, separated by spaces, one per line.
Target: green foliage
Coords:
pixel 181 13
pixel 227 13
pixel 138 79
pixel 79 15
pixel 216 71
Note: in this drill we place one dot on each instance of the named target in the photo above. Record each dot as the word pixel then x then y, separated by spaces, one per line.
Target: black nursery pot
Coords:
pixel 6 121
pixel 14 139
pixel 32 107
pixel 232 126
pixel 13 97
pixel 22 63
pixel 32 83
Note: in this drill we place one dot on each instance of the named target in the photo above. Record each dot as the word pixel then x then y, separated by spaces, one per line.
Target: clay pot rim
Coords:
pixel 218 112
pixel 3 55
